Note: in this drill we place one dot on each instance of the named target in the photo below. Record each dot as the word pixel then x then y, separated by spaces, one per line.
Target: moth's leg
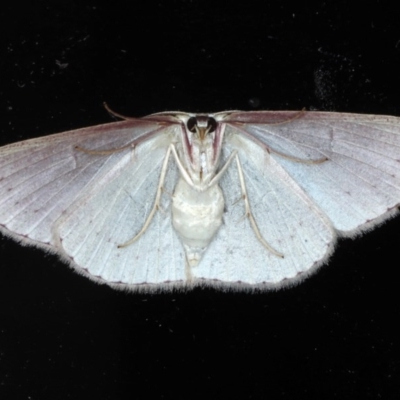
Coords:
pixel 249 214
pixel 221 172
pixel 156 205
pixel 280 154
pixel 181 168
pixel 189 180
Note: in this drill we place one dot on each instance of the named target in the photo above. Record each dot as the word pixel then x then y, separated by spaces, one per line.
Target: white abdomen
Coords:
pixel 196 216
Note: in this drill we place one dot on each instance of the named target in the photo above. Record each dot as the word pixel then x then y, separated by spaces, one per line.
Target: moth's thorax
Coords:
pixel 201 148
pixel 196 217
pixel 203 160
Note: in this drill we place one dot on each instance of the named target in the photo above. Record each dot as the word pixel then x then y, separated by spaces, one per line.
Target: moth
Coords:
pixel 237 200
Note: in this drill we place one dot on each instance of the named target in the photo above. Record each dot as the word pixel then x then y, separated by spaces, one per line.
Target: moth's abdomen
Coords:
pixel 196 217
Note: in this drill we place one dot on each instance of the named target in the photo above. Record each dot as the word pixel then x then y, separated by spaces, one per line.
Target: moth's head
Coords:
pixel 201 126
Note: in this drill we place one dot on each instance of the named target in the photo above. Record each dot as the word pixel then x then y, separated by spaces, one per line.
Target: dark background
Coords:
pixel 63 337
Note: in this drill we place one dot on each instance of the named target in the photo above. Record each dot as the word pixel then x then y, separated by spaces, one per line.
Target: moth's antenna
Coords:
pixel 115 114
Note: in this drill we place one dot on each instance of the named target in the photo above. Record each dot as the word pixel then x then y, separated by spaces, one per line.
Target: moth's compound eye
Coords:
pixel 211 125
pixel 191 124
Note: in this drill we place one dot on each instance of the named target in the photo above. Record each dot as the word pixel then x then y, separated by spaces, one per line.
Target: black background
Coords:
pixel 64 337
